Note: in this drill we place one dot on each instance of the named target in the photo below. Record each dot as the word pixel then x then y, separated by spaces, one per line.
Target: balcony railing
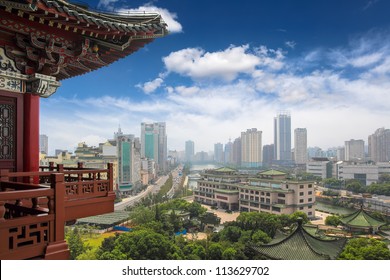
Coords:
pixel 34 207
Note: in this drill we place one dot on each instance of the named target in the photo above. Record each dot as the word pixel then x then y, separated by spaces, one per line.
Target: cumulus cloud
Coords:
pixel 227 64
pixel 151 86
pixel 290 44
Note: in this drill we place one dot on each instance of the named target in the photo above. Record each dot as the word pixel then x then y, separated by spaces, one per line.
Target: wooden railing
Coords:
pixel 34 207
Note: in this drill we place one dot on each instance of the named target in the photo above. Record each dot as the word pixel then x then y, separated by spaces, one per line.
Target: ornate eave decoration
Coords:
pixel 12 80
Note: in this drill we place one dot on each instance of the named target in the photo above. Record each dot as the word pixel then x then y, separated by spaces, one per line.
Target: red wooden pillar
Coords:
pixel 31 133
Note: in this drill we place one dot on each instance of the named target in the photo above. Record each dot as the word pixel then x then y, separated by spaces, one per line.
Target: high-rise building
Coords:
pixel 190 150
pixel 354 150
pixel 129 162
pixel 251 148
pixel 282 136
pixel 300 145
pixel 379 145
pixel 154 143
pixel 237 151
pixel 218 153
pixel 43 144
pixel 268 154
pixel 228 152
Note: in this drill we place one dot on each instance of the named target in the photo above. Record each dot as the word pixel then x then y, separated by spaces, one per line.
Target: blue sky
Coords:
pixel 227 66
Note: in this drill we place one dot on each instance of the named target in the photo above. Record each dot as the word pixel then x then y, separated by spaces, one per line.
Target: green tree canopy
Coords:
pixel 365 249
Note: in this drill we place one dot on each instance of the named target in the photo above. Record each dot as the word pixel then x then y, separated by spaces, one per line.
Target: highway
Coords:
pixel 129 201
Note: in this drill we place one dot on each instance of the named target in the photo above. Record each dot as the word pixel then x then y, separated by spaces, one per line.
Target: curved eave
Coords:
pixel 108 57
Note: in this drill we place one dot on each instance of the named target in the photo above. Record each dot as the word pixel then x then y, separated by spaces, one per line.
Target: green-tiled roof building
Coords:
pixel 361 221
pixel 301 245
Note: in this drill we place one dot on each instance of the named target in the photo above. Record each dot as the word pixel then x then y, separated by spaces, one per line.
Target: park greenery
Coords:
pixel 156 235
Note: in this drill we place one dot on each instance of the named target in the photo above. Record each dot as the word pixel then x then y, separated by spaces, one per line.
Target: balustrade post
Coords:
pixel 57 183
pixel 2 211
pixel 34 201
pixel 110 176
pixel 80 165
pixel 51 166
pixel 60 168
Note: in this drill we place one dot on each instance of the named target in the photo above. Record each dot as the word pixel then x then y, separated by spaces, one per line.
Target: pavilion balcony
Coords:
pixel 35 206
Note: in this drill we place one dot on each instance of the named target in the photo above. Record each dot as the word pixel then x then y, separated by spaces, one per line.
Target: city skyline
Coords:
pixel 333 80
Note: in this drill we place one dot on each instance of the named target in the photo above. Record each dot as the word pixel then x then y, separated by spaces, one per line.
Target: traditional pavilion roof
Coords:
pixel 301 245
pixel 272 172
pixel 361 219
pixel 224 169
pixel 62 40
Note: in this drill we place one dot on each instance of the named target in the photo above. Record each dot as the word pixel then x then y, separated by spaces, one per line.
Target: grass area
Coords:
pixel 97 240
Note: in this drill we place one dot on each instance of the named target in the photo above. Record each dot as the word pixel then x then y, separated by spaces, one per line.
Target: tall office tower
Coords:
pixel 154 143
pixel 237 151
pixel 354 150
pixel 251 148
pixel 282 136
pixel 190 150
pixel 129 161
pixel 218 153
pixel 379 145
pixel 300 145
pixel 228 152
pixel 341 153
pixel 43 144
pixel 268 154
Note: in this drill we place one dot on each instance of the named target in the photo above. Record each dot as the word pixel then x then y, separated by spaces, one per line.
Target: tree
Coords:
pixel 229 254
pixel 260 237
pixel 231 233
pixel 215 251
pixel 143 244
pixel 365 249
pixel 142 215
pixel 332 220
pixel 75 243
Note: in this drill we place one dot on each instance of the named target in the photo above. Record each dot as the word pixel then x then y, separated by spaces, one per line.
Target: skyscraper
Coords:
pixel 154 143
pixel 282 136
pixel 268 154
pixel 379 145
pixel 218 153
pixel 190 151
pixel 129 161
pixel 251 148
pixel 43 144
pixel 300 145
pixel 354 150
pixel 237 151
pixel 228 152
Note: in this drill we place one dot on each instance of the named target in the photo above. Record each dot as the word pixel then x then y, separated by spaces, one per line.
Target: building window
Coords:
pixel 281 195
pixel 310 199
pixel 310 206
pixel 310 213
pixel 300 208
pixel 310 186
pixel 301 193
pixel 281 201
pixel 268 194
pixel 301 201
pixel 310 192
pixel 301 186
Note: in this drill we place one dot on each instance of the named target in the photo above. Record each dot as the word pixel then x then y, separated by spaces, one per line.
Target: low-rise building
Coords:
pixel 367 173
pixel 269 191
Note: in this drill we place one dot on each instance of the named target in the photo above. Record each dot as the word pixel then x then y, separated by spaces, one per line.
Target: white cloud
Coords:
pixel 151 86
pixel 290 44
pixel 106 3
pixel 227 64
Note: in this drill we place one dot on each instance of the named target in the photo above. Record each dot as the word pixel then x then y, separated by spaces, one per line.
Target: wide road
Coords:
pixel 129 201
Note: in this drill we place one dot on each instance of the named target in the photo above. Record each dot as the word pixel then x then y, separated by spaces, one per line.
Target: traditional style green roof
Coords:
pixel 272 172
pixel 301 245
pixel 361 219
pixel 224 169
